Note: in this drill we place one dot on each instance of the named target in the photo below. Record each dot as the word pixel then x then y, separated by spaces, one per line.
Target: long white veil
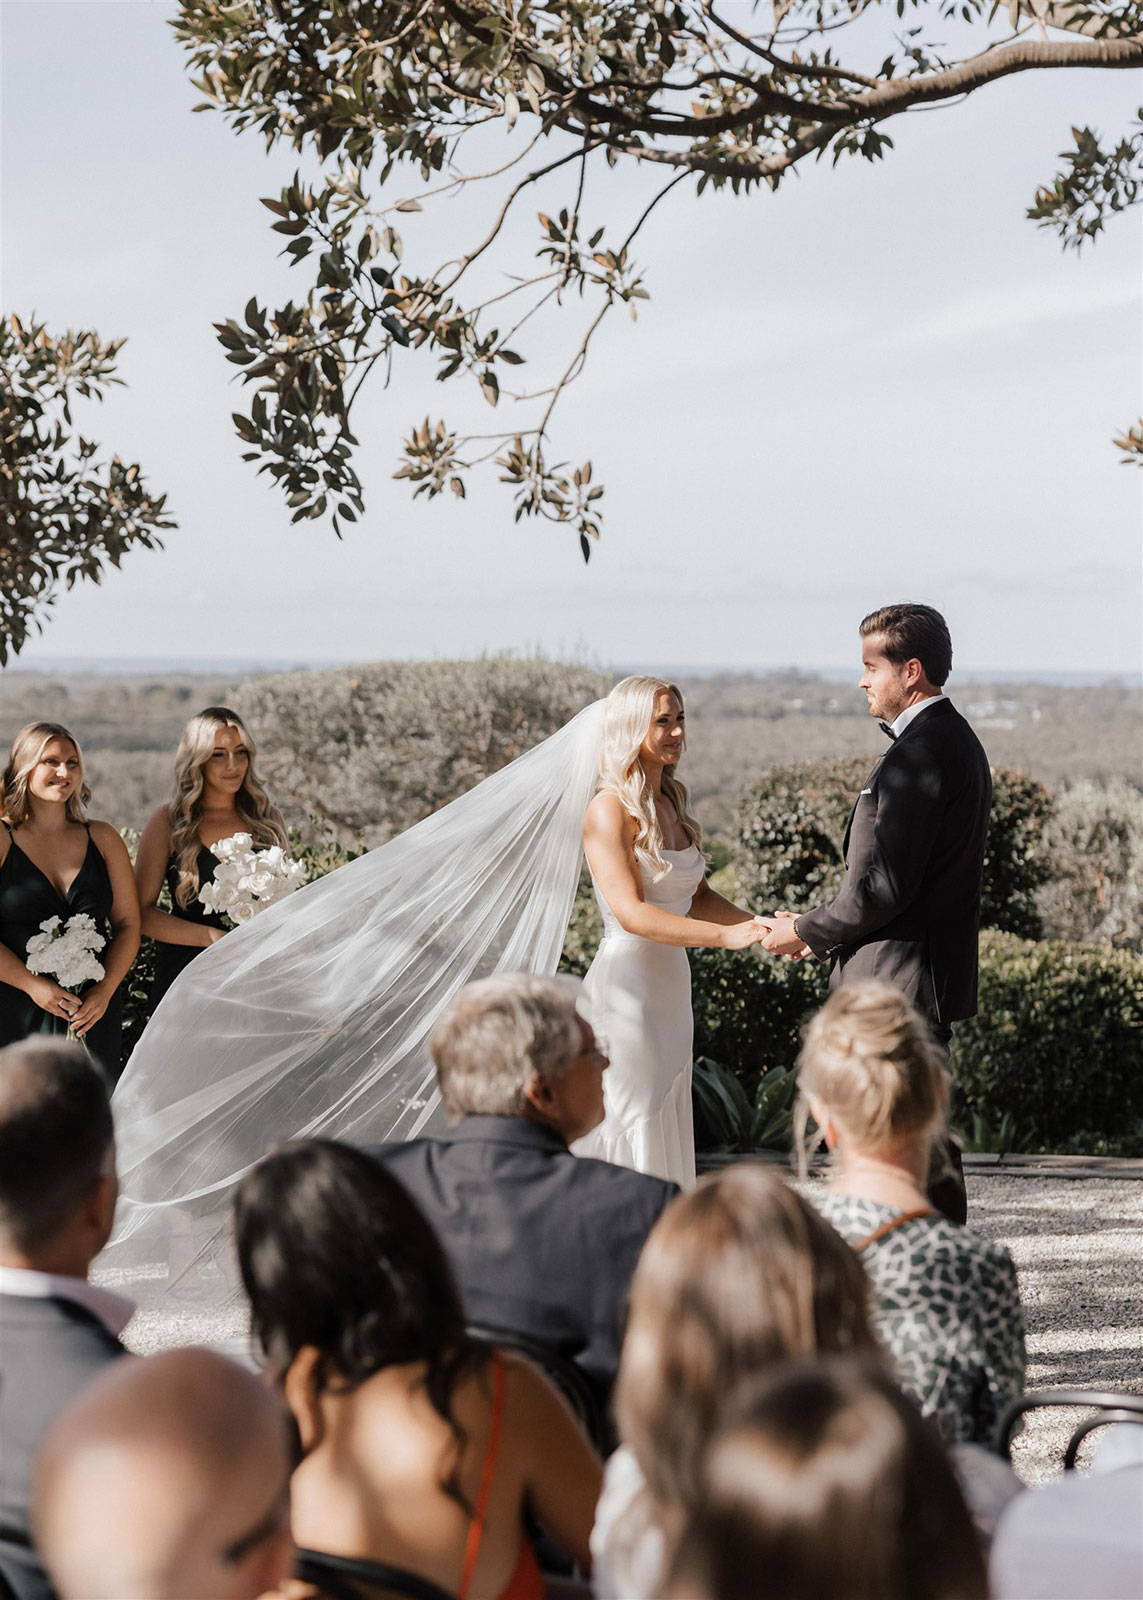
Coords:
pixel 311 1019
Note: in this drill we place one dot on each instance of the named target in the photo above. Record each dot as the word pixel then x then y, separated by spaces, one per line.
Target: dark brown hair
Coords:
pixel 738 1274
pixel 830 1483
pixel 913 633
pixel 335 1254
pixel 55 1136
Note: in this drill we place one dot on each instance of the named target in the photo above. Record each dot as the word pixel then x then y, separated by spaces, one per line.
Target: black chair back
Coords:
pixel 347 1578
pixel 1108 1404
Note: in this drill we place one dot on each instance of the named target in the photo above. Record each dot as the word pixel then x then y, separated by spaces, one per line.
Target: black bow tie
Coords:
pixel 887 729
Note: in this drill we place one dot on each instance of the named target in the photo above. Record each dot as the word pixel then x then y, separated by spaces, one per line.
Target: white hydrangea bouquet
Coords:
pixel 246 880
pixel 65 951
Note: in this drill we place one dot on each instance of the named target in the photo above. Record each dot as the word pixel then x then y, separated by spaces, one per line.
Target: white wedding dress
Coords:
pixel 639 995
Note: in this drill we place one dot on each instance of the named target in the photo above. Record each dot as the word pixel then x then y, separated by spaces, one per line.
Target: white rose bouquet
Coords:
pixel 65 951
pixel 247 880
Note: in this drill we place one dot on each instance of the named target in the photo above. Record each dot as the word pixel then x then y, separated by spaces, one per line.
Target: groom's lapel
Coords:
pixel 856 803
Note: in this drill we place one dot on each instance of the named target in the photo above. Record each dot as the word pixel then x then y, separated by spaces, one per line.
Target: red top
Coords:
pixel 526 1582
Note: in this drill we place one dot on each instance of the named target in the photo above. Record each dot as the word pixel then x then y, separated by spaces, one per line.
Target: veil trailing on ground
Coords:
pixel 311 1019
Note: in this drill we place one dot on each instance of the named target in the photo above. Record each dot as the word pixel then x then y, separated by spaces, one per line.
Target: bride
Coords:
pixel 643 851
pixel 311 1019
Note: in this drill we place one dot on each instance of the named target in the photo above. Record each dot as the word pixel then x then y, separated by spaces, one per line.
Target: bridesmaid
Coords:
pixel 55 863
pixel 216 794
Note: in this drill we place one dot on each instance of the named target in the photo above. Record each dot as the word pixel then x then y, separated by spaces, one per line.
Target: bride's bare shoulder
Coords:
pixel 607 817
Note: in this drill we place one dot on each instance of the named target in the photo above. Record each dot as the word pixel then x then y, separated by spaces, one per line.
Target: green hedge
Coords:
pixel 1057 1046
pixel 789 828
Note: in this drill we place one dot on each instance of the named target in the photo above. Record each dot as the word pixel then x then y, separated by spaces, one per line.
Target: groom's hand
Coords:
pixel 783 940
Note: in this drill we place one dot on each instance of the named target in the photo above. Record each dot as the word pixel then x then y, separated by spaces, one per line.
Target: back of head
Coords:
pixel 56 1141
pixel 870 1062
pixel 499 1033
pixel 829 1484
pixel 335 1254
pixel 167 1477
pixel 737 1275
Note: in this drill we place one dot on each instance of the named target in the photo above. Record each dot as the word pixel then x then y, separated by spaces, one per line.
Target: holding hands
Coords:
pixel 782 938
pixel 740 935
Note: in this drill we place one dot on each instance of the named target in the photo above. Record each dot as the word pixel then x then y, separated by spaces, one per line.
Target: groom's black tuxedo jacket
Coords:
pixel 909 907
pixel 541 1241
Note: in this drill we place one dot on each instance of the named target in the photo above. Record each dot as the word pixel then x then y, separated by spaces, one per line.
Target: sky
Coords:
pixel 880 383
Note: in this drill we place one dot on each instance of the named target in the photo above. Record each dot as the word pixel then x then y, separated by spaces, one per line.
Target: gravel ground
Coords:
pixel 1078 1247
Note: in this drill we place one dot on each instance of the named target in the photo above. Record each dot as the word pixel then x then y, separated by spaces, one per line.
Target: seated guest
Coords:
pixel 541 1242
pixel 167 1478
pixel 57 1205
pixel 830 1483
pixel 1080 1538
pixel 946 1301
pixel 422 1449
pixel 739 1275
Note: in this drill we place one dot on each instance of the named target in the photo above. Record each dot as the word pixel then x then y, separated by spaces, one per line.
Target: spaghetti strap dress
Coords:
pixel 28 899
pixel 171 959
pixel 527 1581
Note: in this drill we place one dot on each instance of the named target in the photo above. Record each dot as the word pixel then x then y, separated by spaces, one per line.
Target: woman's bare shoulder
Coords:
pixel 606 814
pixel 158 824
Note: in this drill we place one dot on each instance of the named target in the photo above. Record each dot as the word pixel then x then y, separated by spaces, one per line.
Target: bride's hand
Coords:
pixel 740 935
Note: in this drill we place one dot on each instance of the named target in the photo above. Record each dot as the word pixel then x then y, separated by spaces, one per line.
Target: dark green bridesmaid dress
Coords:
pixel 28 898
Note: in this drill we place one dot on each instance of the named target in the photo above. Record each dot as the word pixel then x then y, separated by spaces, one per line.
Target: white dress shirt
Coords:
pixel 113 1310
pixel 899 724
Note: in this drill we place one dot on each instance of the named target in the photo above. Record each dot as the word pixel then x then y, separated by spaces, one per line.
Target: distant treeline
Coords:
pixel 739 725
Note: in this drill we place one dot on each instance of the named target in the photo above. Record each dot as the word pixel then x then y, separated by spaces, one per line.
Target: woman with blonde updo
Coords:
pixel 946 1301
pixel 55 863
pixel 643 847
pixel 216 794
pixel 737 1277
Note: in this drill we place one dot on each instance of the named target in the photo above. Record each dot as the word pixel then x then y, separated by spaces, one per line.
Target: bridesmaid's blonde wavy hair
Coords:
pixel 184 810
pixel 628 713
pixel 27 748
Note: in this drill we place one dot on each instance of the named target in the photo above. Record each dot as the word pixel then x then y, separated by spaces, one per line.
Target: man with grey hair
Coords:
pixel 543 1243
pixel 167 1478
pixel 57 1204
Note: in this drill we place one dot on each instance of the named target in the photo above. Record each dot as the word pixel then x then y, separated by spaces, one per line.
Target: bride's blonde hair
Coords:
pixel 628 712
pixel 184 811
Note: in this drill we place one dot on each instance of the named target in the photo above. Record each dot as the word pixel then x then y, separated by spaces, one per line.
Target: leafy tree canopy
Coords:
pixel 66 516
pixel 713 94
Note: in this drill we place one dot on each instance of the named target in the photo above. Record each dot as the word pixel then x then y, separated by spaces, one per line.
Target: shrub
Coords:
pixel 749 1009
pixel 1095 841
pixel 789 829
pixel 1056 1044
pixel 1016 857
pixel 371 750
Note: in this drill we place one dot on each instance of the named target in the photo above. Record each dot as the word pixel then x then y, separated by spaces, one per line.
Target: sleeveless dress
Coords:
pixel 639 997
pixel 526 1582
pixel 171 959
pixel 28 898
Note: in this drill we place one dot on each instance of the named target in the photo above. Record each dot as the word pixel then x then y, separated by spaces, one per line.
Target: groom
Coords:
pixel 909 906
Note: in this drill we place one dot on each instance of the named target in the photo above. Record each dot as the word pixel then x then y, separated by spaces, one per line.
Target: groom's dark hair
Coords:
pixel 913 633
pixel 55 1136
